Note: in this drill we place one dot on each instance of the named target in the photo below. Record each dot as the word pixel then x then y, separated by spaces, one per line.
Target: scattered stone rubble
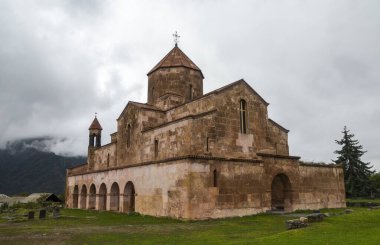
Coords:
pixel 303 221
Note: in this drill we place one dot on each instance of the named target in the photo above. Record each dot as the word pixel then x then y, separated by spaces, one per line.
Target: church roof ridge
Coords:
pixel 219 90
pixel 95 124
pixel 140 105
pixel 144 105
pixel 278 125
pixel 175 58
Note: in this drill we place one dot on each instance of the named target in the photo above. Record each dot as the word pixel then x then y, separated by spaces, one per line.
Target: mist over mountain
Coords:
pixel 29 165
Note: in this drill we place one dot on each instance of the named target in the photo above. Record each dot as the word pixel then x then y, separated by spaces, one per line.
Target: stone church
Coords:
pixel 190 155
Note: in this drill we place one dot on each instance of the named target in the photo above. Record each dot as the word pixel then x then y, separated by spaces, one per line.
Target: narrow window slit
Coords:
pixel 155 147
pixel 243 117
pixel 215 178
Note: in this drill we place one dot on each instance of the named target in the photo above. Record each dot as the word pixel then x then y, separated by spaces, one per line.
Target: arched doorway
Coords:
pixel 92 197
pixel 102 197
pixel 75 196
pixel 129 198
pixel 83 197
pixel 281 193
pixel 114 198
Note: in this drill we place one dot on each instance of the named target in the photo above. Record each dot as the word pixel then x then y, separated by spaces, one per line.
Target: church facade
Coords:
pixel 190 155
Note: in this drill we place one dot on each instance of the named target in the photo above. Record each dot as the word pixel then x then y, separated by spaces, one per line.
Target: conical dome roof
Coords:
pixel 95 125
pixel 175 58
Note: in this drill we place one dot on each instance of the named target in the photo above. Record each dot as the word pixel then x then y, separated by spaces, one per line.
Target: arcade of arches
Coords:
pixel 98 200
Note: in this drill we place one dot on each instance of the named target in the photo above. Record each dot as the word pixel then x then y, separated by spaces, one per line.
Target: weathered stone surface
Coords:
pixel 316 217
pixel 188 155
pixel 56 212
pixel 295 224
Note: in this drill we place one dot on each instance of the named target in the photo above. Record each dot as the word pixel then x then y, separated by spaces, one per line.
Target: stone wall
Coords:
pixel 177 81
pixel 158 187
pixel 211 188
pixel 105 156
pixel 322 187
pixel 209 125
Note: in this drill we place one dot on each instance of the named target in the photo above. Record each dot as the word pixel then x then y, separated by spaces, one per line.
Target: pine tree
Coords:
pixel 356 172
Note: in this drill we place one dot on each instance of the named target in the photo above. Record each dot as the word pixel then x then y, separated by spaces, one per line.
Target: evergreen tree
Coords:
pixel 356 172
pixel 375 178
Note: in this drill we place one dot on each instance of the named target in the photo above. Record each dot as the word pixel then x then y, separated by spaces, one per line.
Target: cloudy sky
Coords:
pixel 316 62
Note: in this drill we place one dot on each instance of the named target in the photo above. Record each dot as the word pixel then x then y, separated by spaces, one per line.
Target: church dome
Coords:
pixel 175 80
pixel 175 58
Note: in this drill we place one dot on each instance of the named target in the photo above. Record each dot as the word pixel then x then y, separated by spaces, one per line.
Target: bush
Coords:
pixel 4 206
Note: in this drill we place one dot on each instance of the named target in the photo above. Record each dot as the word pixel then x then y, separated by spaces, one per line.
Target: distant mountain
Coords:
pixel 27 166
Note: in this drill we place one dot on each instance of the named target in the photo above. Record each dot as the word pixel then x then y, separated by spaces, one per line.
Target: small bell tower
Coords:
pixel 95 136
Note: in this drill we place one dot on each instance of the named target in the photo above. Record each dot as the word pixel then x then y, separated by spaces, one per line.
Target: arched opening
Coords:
pixel 215 178
pixel 92 197
pixel 281 193
pixel 92 140
pixel 83 197
pixel 75 196
pixel 243 116
pixel 98 140
pixel 114 198
pixel 129 198
pixel 102 197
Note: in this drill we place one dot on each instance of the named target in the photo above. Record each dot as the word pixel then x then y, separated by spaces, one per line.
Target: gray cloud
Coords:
pixel 315 62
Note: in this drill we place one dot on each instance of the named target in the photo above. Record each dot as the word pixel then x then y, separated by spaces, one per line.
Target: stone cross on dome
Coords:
pixel 176 38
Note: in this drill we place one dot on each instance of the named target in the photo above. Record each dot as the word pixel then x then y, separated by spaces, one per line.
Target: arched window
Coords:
pixel 243 117
pixel 207 146
pixel 215 178
pixel 108 160
pixel 98 140
pixel 92 140
pixel 129 135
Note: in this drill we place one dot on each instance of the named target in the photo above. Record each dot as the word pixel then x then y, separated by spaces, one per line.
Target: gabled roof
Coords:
pixel 95 124
pixel 241 81
pixel 175 58
pixel 140 105
pixel 222 89
pixel 279 126
pixel 47 197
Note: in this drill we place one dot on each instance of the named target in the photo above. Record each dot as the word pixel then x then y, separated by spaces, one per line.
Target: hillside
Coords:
pixel 27 166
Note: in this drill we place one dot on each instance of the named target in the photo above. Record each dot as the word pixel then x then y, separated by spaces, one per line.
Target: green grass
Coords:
pixel 92 227
pixel 363 200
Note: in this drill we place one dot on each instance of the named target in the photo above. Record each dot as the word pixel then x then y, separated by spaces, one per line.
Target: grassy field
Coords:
pixel 362 226
pixel 363 200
